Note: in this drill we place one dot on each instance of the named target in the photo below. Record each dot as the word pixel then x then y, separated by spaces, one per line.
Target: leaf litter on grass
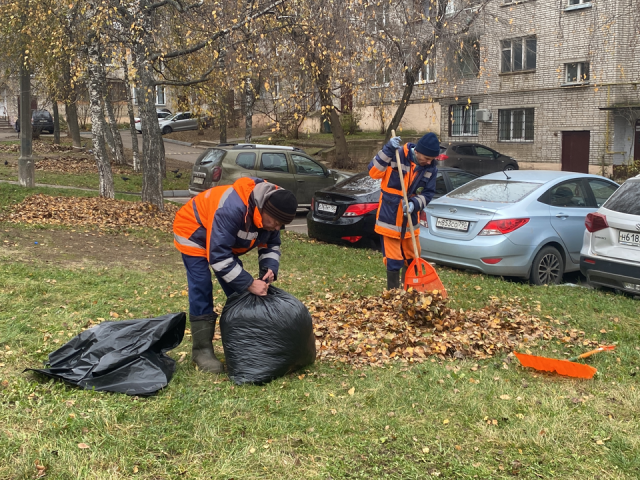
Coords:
pixel 39 147
pixel 411 326
pixel 76 165
pixel 91 211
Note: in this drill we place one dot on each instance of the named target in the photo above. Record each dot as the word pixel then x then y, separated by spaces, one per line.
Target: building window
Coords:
pixel 576 73
pixel 427 73
pixel 579 2
pixel 515 125
pixel 160 100
pixel 451 8
pixel 519 54
pixel 379 20
pixel 468 59
pixel 462 120
pixel 381 74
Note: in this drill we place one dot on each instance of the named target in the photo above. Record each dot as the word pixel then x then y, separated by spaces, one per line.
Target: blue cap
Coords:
pixel 429 145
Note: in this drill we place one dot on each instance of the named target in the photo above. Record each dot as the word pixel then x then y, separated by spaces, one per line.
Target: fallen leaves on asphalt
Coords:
pixel 91 212
pixel 411 326
pixel 37 146
pixel 76 165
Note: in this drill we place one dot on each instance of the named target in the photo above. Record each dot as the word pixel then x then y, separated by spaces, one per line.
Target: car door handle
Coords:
pixel 300 181
pixel 561 215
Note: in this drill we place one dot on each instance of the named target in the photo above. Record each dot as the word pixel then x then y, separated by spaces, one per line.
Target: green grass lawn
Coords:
pixel 440 419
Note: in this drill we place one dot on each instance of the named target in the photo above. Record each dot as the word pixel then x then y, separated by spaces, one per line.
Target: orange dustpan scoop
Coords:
pixel 568 368
pixel 421 276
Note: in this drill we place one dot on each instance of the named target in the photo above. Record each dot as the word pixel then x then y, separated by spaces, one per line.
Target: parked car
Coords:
pixel 610 254
pixel 40 119
pixel 475 158
pixel 178 122
pixel 346 212
pixel 162 113
pixel 526 223
pixel 287 167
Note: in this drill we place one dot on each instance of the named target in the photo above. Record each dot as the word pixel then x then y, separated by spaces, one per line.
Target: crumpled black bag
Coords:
pixel 266 337
pixel 123 357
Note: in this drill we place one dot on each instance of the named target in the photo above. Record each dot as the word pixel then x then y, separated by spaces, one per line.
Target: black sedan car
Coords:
pixel 346 211
pixel 475 158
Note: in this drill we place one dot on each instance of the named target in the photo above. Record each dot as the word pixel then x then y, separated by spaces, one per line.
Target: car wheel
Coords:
pixel 510 167
pixel 547 268
pixel 166 130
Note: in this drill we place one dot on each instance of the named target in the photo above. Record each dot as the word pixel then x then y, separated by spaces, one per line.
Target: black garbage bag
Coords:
pixel 266 337
pixel 123 357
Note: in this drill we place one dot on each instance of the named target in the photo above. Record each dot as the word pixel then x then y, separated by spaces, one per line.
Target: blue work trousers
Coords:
pixel 200 285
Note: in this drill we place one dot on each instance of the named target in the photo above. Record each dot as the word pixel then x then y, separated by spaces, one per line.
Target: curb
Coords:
pixel 177 142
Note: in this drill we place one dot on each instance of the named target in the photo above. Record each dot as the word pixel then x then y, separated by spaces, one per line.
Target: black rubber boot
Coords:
pixel 202 330
pixel 403 276
pixel 393 279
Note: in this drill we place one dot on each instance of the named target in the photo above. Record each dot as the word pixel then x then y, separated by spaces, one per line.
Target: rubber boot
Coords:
pixel 403 276
pixel 393 279
pixel 202 330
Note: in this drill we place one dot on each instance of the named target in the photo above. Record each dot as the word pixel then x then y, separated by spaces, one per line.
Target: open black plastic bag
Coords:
pixel 122 357
pixel 266 337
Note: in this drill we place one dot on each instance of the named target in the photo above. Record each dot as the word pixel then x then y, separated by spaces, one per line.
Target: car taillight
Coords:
pixel 423 219
pixel 353 239
pixel 595 221
pixel 442 157
pixel 359 209
pixel 137 121
pixel 500 227
pixel 216 174
pixel 491 261
pixel 313 203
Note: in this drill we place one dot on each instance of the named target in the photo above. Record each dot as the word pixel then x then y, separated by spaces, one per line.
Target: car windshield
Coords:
pixel 626 199
pixel 213 155
pixel 496 191
pixel 360 183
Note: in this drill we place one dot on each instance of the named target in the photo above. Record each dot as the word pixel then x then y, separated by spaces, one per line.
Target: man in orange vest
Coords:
pixel 212 230
pixel 420 172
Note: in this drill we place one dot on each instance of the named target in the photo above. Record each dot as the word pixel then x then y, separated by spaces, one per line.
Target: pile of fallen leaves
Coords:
pixel 91 212
pixel 37 146
pixel 411 326
pixel 75 165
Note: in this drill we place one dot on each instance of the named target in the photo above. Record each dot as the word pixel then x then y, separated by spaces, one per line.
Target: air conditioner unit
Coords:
pixel 484 116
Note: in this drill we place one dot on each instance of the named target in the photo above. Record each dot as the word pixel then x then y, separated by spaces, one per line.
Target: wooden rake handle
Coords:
pixel 592 352
pixel 406 201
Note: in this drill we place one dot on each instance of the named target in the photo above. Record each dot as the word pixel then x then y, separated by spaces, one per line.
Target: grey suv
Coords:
pixel 287 167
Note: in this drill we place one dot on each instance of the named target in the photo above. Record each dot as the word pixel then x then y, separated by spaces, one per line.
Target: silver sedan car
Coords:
pixel 524 223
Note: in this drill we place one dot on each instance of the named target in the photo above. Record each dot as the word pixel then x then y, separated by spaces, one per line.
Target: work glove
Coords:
pixel 391 146
pixel 409 207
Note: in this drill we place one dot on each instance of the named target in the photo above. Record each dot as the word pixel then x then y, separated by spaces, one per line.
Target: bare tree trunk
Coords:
pixel 249 99
pixel 118 148
pixel 402 107
pixel 223 119
pixel 342 152
pixel 26 163
pixel 153 158
pixel 132 126
pixel 98 124
pixel 56 123
pixel 70 106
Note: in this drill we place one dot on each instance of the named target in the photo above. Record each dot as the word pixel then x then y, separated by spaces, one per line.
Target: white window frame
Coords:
pixel 580 73
pixel 468 113
pixel 159 89
pixel 512 126
pixel 276 87
pixel 427 74
pixel 385 15
pixel 451 8
pixel 511 48
pixel 576 3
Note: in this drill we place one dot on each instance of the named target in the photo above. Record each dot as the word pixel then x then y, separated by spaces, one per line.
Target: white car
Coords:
pixel 610 254
pixel 162 114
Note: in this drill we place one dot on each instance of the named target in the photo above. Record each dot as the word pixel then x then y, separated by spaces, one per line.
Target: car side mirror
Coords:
pixel 328 172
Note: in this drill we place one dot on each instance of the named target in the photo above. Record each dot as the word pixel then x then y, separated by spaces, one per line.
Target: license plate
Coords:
pixel 198 180
pixel 323 207
pixel 452 224
pixel 629 238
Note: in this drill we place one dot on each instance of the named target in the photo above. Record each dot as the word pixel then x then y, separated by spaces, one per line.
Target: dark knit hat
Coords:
pixel 281 205
pixel 429 145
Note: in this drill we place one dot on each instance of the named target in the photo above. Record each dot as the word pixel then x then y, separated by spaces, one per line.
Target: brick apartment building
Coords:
pixel 558 81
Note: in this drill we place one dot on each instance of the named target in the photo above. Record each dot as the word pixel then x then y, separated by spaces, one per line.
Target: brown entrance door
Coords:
pixel 575 151
pixel 636 147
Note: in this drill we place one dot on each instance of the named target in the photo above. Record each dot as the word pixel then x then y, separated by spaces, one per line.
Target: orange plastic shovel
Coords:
pixel 563 367
pixel 420 274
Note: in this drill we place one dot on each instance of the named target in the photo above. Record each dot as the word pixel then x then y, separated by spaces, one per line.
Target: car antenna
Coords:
pixel 505 174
